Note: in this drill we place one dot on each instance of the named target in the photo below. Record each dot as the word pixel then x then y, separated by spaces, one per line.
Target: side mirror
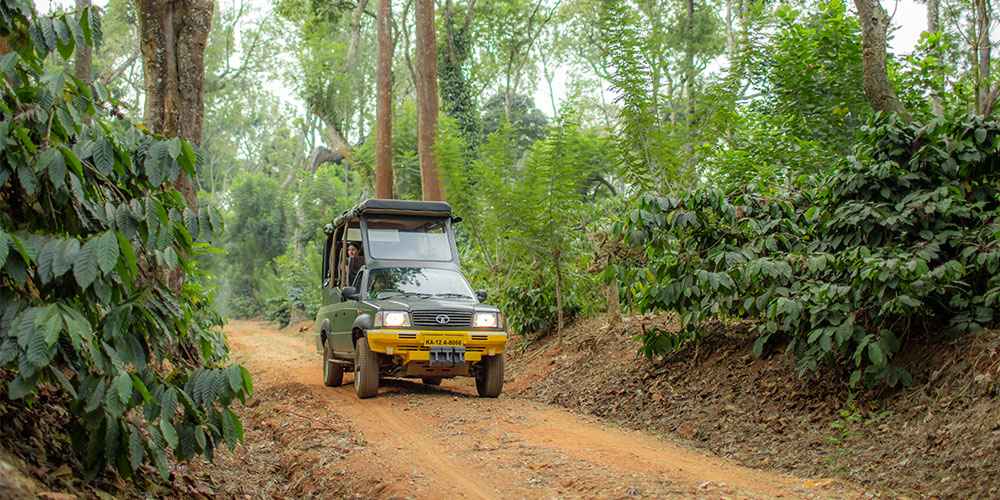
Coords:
pixel 481 295
pixel 350 293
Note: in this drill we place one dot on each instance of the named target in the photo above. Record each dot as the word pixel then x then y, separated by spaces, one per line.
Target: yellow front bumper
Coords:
pixel 412 345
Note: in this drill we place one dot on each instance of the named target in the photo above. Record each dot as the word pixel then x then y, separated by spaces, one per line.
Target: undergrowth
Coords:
pixel 898 238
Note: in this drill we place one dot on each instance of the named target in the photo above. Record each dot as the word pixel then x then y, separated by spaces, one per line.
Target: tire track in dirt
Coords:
pixel 444 442
pixel 409 441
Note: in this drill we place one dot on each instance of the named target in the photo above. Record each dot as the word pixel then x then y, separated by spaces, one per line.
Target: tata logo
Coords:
pixel 442 319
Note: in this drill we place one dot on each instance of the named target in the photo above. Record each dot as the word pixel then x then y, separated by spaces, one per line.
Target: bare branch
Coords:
pixel 117 72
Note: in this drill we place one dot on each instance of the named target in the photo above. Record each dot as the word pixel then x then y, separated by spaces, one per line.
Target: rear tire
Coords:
pixel 431 380
pixel 365 370
pixel 489 379
pixel 333 373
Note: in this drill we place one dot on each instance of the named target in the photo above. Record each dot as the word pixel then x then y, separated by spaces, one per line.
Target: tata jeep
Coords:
pixel 395 303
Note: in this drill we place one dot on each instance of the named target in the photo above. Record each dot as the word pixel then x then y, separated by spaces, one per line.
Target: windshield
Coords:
pixel 409 239
pixel 417 281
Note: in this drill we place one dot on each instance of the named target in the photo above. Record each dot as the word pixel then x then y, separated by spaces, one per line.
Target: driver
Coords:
pixel 379 283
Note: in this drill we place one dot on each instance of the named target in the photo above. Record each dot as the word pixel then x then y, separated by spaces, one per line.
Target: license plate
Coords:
pixel 443 341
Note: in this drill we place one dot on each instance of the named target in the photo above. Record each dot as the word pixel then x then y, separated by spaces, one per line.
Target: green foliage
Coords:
pixel 405 164
pixel 457 94
pixel 643 139
pixel 518 237
pixel 316 198
pixel 903 235
pixel 334 76
pixel 851 421
pixel 257 234
pixel 809 71
pixel 88 225
pixel 529 124
pixel 302 293
pixel 764 152
pixel 529 301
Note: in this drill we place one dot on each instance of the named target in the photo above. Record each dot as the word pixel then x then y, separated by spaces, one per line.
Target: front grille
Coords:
pixel 430 319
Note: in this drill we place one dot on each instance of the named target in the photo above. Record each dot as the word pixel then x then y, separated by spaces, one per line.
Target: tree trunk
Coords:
pixel 406 43
pixel 730 33
pixel 559 297
pixel 983 18
pixel 934 26
pixel 933 16
pixel 83 64
pixel 689 67
pixel 614 305
pixel 427 100
pixel 383 102
pixel 172 36
pixel 352 45
pixel 875 75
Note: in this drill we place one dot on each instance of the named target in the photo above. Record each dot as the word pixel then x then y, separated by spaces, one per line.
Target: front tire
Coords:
pixel 489 379
pixel 333 373
pixel 365 370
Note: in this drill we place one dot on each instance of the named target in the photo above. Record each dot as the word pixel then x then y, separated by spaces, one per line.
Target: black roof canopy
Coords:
pixel 395 207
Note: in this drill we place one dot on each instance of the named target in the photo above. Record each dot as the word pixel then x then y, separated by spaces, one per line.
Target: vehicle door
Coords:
pixel 346 310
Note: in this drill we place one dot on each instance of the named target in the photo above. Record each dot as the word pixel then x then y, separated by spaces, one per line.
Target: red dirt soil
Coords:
pixel 417 441
pixel 584 418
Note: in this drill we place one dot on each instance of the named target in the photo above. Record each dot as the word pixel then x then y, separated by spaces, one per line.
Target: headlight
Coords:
pixel 485 320
pixel 392 319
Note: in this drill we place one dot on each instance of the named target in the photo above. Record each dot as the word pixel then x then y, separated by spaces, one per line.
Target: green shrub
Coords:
pixel 242 306
pixel 89 224
pixel 530 308
pixel 897 239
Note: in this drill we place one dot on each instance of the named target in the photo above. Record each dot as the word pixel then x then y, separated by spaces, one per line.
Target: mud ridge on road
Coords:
pixel 305 440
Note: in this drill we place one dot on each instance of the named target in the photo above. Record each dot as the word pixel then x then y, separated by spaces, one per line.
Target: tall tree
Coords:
pixel 383 102
pixel 172 36
pixel 982 22
pixel 874 29
pixel 427 99
pixel 933 16
pixel 83 64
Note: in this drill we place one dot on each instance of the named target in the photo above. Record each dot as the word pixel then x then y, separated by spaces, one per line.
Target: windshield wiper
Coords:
pixel 456 295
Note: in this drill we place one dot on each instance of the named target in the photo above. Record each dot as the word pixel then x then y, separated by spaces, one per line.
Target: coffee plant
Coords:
pixel 89 226
pixel 900 238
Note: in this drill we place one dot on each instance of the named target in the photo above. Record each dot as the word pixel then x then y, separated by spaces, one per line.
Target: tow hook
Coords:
pixel 447 355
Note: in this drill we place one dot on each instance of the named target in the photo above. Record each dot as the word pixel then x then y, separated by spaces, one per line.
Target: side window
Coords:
pixel 349 257
pixel 334 257
pixel 325 273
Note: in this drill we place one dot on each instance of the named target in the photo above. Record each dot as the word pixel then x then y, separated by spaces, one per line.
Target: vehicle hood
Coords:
pixel 432 304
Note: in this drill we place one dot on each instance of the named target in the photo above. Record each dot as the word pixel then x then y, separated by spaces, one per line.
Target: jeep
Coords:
pixel 395 302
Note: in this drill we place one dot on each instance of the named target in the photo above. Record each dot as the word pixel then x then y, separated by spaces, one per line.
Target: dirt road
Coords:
pixel 306 440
